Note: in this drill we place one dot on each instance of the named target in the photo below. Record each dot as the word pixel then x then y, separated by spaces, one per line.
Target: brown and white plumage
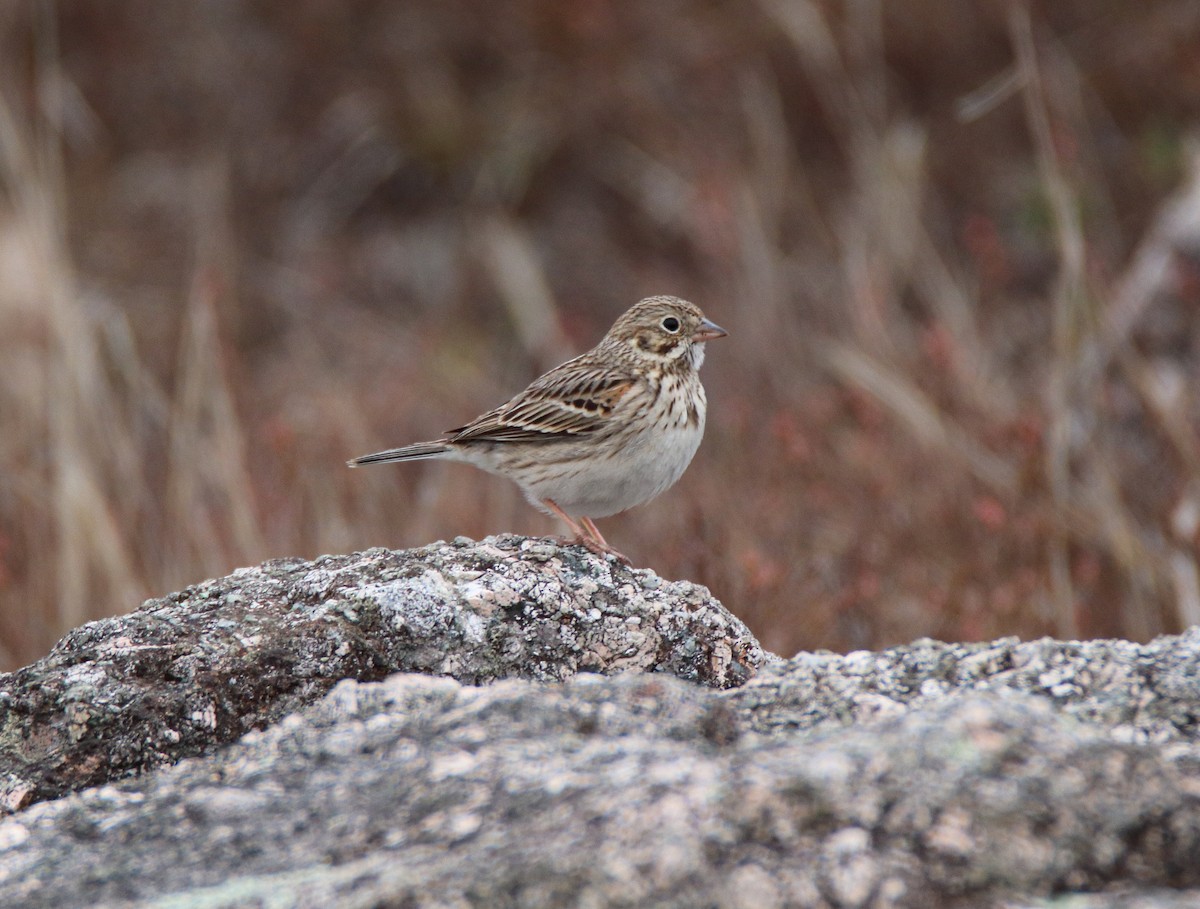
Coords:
pixel 603 432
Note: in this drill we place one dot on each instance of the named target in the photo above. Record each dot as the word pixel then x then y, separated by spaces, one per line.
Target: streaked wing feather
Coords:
pixel 569 401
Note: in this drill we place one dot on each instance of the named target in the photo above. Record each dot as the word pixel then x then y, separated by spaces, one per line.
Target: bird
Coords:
pixel 601 433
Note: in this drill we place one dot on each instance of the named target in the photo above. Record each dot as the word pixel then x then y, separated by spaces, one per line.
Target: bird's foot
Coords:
pixel 600 548
pixel 593 532
pixel 586 534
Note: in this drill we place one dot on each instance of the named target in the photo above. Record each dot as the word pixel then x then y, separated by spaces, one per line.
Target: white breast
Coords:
pixel 619 474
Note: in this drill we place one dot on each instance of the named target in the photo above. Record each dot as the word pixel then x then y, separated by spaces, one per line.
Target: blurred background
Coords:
pixel 957 248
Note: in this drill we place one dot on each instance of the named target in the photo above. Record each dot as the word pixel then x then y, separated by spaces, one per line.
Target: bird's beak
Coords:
pixel 708 331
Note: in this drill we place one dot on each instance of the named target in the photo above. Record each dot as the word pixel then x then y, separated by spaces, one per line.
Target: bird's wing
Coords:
pixel 570 401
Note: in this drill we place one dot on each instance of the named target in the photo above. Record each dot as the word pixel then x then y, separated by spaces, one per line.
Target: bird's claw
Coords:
pixel 602 549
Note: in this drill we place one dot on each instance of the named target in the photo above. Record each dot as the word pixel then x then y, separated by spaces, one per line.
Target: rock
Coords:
pixel 1138 692
pixel 201 667
pixel 497 774
pixel 614 791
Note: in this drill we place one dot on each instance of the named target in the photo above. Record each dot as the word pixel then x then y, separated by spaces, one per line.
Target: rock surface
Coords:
pixel 203 666
pixel 493 771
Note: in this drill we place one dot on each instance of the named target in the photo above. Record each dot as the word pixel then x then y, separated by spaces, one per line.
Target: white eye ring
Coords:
pixel 671 324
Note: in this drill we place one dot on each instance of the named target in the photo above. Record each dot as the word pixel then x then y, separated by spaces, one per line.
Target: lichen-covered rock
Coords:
pixel 203 666
pixel 512 762
pixel 1140 692
pixel 625 791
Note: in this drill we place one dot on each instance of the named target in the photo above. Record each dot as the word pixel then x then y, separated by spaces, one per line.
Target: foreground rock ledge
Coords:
pixel 1003 774
pixel 202 667
pixel 634 790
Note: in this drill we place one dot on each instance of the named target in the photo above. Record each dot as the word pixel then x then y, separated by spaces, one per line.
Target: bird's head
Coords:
pixel 665 328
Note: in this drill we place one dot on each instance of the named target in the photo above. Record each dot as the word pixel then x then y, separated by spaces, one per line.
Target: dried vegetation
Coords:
pixel 957 248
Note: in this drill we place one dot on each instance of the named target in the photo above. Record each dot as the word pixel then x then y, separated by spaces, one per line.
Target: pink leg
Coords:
pixel 586 535
pixel 579 532
pixel 594 531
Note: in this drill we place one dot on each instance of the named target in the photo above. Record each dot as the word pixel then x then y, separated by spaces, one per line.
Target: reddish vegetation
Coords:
pixel 956 250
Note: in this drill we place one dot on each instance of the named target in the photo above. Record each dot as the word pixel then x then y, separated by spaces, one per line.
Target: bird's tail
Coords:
pixel 407 453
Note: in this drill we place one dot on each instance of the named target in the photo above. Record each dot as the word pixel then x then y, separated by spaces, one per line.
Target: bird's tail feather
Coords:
pixel 407 453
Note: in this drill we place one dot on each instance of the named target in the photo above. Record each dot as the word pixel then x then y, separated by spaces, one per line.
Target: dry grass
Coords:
pixel 958 257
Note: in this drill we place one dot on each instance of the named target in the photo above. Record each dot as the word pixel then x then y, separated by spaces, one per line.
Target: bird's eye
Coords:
pixel 671 324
